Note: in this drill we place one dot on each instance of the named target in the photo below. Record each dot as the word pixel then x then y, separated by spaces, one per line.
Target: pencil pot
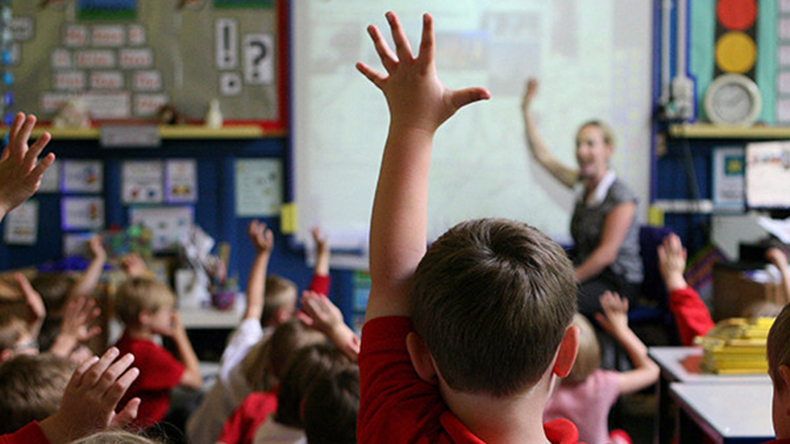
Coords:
pixel 223 300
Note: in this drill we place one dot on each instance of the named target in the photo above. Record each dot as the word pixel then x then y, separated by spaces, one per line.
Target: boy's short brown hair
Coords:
pixel 331 407
pixel 588 359
pixel 137 294
pixel 280 293
pixel 53 288
pixel 31 387
pixel 492 300
pixel 778 344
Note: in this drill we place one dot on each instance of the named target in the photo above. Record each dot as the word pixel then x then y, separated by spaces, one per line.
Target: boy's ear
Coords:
pixel 566 354
pixel 783 372
pixel 6 354
pixel 421 358
pixel 282 315
pixel 143 317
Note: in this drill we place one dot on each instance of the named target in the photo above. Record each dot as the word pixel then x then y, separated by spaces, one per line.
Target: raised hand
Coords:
pixel 415 95
pixel 91 396
pixel 134 266
pixel 614 318
pixel 75 328
pixel 20 170
pixel 672 262
pixel 36 311
pixel 261 237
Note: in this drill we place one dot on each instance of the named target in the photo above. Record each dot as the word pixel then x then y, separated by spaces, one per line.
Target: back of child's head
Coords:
pixel 280 296
pixel 138 294
pixel 331 407
pixel 267 362
pixel 31 387
pixel 115 436
pixel 778 346
pixel 492 300
pixel 588 359
pixel 12 329
pixel 53 288
pixel 310 363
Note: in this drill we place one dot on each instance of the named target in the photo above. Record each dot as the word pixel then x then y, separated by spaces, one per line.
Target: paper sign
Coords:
pixel 76 36
pixel 147 81
pixel 258 187
pixel 136 58
pixel 227 42
pixel 82 176
pixel 50 181
pixel 167 224
pixel 230 83
pixel 146 105
pixel 69 80
pixel 21 224
pixel 180 180
pixel 61 58
pixel 53 102
pixel 136 35
pixel 106 80
pixel 22 28
pixel 142 182
pixel 108 36
pixel 258 59
pixel 289 220
pixel 82 213
pixel 728 181
pixel 108 105
pixel 94 58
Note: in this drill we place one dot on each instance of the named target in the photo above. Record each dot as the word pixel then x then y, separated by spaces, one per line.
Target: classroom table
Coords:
pixel 726 413
pixel 681 364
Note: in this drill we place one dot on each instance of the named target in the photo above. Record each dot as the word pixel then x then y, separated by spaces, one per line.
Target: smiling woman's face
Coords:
pixel 592 153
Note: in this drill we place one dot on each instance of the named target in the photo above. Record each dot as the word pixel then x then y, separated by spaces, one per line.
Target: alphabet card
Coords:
pixel 142 181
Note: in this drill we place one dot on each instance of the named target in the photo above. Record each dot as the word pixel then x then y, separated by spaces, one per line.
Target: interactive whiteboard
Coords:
pixel 593 60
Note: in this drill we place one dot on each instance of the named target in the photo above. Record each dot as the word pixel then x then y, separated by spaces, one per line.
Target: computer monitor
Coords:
pixel 767 172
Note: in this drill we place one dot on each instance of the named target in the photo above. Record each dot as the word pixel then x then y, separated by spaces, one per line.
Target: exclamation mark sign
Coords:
pixel 226 43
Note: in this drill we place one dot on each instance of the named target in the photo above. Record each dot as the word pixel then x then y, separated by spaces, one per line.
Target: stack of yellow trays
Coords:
pixel 736 347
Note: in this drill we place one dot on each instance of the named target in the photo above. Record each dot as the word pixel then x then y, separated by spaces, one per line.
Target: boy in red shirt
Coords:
pixel 146 308
pixel 462 341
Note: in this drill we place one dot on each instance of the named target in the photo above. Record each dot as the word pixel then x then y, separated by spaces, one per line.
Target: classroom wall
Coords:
pixel 214 210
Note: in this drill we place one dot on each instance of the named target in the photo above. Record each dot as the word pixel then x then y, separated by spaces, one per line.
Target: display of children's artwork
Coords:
pixel 142 181
pixel 21 224
pixel 82 213
pixel 258 187
pixel 125 59
pixel 167 224
pixel 180 180
pixel 82 176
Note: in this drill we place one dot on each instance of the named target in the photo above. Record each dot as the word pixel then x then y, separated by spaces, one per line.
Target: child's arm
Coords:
pixel 85 287
pixel 134 266
pixel 263 241
pixel 779 259
pixel 418 104
pixel 321 280
pixel 74 329
pixel 191 377
pixel 320 313
pixel 36 312
pixel 691 314
pixel 20 176
pixel 89 401
pixel 615 320
pixel 567 176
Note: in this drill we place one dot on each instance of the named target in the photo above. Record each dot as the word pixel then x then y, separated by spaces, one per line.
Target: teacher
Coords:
pixel 604 227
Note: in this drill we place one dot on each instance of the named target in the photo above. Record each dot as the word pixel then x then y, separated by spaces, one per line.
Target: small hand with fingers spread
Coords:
pixel 75 328
pixel 97 248
pixel 134 266
pixel 320 313
pixel 614 318
pixel 36 311
pixel 20 169
pixel 91 396
pixel 416 97
pixel 672 262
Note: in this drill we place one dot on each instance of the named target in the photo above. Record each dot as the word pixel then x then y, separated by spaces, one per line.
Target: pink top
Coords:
pixel 586 404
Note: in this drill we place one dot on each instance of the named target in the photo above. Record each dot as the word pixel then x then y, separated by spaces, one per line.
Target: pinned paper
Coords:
pixel 82 213
pixel 83 176
pixel 289 218
pixel 180 180
pixel 167 224
pixel 21 224
pixel 142 182
pixel 655 216
pixel 258 187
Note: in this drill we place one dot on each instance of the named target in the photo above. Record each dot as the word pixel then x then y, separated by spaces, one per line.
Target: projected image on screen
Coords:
pixel 768 175
pixel 593 61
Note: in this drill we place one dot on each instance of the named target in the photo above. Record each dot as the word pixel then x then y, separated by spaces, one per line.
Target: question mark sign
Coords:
pixel 257 60
pixel 257 54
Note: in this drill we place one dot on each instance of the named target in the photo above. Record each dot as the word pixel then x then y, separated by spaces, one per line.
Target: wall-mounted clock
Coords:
pixel 733 99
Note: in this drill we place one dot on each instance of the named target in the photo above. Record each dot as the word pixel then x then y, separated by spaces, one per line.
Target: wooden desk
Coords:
pixel 726 413
pixel 681 364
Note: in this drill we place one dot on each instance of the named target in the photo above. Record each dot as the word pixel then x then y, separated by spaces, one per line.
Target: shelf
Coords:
pixel 168 132
pixel 709 131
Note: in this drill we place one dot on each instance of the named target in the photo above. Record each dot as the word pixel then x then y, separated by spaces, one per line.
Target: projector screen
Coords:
pixel 593 60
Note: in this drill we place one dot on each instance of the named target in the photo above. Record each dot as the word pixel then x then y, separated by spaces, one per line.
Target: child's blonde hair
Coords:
pixel 589 357
pixel 140 294
pixel 12 328
pixel 280 293
pixel 778 345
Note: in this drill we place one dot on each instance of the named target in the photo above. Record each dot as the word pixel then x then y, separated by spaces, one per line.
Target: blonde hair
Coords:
pixel 280 293
pixel 589 357
pixel 12 328
pixel 138 294
pixel 606 130
pixel 778 344
pixel 114 436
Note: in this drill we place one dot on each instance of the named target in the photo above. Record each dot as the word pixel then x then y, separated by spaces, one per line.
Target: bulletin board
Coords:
pixel 127 58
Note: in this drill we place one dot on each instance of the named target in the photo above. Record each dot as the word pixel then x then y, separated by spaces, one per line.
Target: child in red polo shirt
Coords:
pixel 462 341
pixel 146 308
